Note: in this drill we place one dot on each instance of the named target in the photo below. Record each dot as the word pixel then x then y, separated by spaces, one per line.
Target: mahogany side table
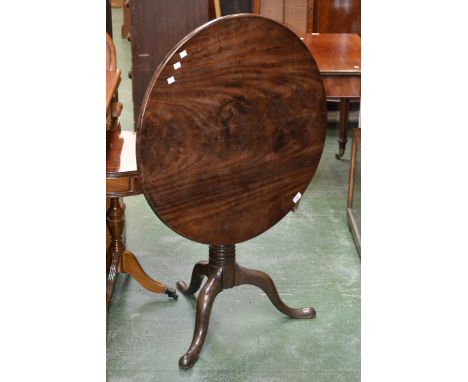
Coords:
pixel 338 56
pixel 122 179
pixel 230 134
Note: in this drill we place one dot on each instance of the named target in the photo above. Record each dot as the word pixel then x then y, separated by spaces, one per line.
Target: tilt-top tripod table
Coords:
pixel 230 134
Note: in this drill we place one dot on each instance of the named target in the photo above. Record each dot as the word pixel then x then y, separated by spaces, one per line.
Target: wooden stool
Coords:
pixel 122 179
pixel 230 134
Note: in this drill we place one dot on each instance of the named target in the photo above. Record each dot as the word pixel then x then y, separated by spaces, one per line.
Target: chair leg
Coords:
pixel 264 282
pixel 200 270
pixel 205 301
pixel 344 116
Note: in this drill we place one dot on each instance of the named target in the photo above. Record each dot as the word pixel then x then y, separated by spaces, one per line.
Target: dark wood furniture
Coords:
pixel 125 29
pixel 307 16
pixel 338 56
pixel 230 134
pixel 333 53
pixel 337 16
pixel 108 18
pixel 113 106
pixel 155 27
pixel 122 179
pixel 353 211
pixel 112 83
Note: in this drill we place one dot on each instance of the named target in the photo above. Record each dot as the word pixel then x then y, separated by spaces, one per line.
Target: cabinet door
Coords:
pixel 156 26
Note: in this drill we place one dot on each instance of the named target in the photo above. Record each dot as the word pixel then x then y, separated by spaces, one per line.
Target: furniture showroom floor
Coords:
pixel 310 255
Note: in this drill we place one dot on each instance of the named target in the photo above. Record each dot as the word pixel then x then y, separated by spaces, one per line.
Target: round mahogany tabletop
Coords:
pixel 231 129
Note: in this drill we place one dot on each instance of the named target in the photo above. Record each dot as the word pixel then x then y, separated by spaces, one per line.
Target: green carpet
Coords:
pixel 311 257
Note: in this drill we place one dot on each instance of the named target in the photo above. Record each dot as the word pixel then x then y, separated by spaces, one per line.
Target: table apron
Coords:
pixel 340 86
pixel 123 186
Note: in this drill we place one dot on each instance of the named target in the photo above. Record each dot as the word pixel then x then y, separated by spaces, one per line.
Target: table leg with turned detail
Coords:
pixel 123 261
pixel 122 179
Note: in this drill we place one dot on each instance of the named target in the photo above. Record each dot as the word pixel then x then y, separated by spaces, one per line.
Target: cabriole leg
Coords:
pixel 200 270
pixel 205 301
pixel 265 283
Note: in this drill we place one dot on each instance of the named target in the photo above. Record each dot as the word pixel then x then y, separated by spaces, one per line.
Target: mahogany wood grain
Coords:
pixel 335 53
pixel 337 16
pixel 224 149
pixel 231 130
pixel 342 86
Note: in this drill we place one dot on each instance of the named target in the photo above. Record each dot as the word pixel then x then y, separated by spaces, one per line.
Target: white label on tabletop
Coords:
pixel 183 54
pixel 356 66
pixel 170 80
pixel 177 65
pixel 297 197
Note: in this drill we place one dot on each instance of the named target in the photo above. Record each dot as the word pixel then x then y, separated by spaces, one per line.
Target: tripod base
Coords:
pixel 223 272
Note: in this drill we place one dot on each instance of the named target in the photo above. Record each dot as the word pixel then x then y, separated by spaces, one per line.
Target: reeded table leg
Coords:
pixel 205 301
pixel 115 223
pixel 265 283
pixel 200 270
